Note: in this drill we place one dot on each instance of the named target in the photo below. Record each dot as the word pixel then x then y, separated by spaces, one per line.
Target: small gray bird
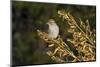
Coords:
pixel 52 29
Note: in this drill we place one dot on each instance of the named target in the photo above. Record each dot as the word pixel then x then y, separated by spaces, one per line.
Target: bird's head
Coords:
pixel 51 22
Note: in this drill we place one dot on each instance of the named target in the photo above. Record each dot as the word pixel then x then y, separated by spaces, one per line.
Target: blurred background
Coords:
pixel 28 17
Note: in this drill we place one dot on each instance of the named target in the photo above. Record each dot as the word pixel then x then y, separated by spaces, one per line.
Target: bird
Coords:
pixel 51 29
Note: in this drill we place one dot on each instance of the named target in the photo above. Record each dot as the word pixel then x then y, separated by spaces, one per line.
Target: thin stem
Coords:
pixel 75 23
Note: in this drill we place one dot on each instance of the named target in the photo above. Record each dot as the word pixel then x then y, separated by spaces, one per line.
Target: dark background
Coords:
pixel 28 17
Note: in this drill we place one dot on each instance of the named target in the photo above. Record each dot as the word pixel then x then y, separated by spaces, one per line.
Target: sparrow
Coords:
pixel 51 29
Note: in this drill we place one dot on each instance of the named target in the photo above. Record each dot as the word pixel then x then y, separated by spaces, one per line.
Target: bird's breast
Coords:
pixel 53 31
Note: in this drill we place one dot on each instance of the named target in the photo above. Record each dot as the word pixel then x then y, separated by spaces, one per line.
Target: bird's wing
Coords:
pixel 46 27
